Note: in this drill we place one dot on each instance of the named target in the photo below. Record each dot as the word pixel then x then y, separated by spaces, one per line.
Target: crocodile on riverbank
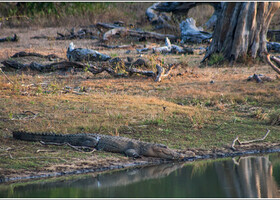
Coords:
pixel 129 147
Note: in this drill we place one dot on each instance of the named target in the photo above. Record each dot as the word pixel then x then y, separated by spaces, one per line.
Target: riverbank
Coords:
pixel 197 110
pixel 194 155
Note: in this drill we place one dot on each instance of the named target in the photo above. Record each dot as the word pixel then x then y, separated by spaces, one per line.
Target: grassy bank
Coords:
pixel 197 114
pixel 201 108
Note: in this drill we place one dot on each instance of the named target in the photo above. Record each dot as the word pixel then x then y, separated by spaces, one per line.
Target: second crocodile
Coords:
pixel 129 147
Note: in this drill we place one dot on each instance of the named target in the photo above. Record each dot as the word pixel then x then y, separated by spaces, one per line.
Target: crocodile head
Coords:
pixel 163 151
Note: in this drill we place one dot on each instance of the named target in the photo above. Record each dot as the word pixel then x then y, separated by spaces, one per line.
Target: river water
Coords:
pixel 244 177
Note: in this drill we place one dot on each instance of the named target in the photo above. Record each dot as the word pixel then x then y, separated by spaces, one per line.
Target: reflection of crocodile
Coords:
pixel 89 185
pixel 129 147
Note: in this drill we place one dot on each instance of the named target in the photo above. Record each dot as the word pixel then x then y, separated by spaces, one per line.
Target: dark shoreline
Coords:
pixel 273 148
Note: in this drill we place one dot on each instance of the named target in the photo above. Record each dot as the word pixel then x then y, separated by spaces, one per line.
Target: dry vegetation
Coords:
pixel 183 112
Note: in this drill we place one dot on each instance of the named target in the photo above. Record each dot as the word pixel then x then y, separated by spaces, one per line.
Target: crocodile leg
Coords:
pixel 132 153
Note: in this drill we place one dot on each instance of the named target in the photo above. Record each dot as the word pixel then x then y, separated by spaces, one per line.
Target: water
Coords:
pixel 239 177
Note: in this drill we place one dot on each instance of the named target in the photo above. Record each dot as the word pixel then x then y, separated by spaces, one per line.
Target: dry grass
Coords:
pixel 197 114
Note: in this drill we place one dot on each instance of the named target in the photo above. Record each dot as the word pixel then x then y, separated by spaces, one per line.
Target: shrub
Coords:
pixel 216 58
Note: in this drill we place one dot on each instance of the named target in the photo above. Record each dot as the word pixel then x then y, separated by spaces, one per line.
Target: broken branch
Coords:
pixel 6 76
pixel 15 38
pixel 274 67
pixel 134 33
pixel 25 54
pixel 248 142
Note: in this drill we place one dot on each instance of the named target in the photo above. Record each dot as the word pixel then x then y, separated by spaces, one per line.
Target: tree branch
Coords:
pixel 249 141
pixel 274 67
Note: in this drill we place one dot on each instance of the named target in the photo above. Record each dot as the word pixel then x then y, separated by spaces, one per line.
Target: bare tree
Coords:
pixel 241 30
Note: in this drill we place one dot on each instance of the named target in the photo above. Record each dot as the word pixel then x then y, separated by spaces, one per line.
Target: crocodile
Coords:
pixel 129 147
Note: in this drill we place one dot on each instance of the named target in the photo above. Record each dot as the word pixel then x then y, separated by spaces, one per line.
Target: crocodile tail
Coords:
pixel 21 135
pixel 46 137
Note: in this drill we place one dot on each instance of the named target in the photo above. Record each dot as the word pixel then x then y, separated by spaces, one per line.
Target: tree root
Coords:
pixel 247 142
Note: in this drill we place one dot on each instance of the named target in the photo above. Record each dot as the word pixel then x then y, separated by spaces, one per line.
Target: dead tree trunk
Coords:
pixel 241 30
pixel 156 15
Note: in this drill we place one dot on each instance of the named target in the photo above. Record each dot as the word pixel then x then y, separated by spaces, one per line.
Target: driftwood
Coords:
pixel 174 49
pixel 143 50
pixel 42 37
pixel 161 73
pixel 80 54
pixel 135 33
pixel 157 11
pixel 259 78
pixel 64 65
pixel 247 142
pixel 190 33
pixel 273 46
pixel 81 34
pixel 274 67
pixel 50 57
pixel 107 26
pixel 110 30
pixel 116 46
pixel 159 19
pixel 15 38
pixel 94 69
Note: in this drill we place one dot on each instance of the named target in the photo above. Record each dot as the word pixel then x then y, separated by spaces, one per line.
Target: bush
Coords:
pixel 216 58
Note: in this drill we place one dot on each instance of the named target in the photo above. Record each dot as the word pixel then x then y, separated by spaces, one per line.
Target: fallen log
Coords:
pixel 80 54
pixel 42 37
pixel 111 67
pixel 159 19
pixel 132 71
pixel 64 65
pixel 15 38
pixel 161 73
pixel 100 25
pixel 155 11
pixel 273 46
pixel 81 34
pixel 142 50
pixel 259 78
pixel 135 33
pixel 116 46
pixel 174 49
pixel 50 57
pixel 14 64
pixel 71 35
pixel 190 33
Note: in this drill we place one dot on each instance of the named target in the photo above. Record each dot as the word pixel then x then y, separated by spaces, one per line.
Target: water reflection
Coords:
pixel 247 177
pixel 244 177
